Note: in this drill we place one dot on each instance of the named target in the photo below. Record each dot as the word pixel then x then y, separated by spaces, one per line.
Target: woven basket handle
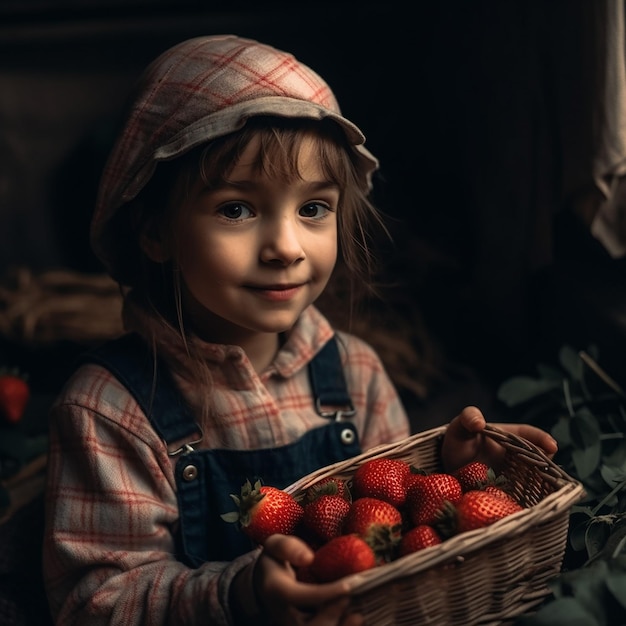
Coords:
pixel 532 453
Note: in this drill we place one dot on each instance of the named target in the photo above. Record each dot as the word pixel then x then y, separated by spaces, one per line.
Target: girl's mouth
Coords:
pixel 278 293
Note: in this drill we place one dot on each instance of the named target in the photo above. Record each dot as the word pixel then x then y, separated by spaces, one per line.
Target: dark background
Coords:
pixel 473 109
pixel 479 112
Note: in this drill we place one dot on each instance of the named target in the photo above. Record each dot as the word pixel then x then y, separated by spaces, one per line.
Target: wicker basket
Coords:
pixel 485 576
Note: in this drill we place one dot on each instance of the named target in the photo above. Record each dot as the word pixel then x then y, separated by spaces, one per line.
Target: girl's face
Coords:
pixel 255 251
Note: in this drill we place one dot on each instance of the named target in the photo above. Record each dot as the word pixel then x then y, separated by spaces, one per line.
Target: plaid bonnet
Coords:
pixel 196 91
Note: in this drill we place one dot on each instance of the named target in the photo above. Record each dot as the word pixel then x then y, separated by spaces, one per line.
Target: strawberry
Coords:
pixel 477 509
pixel 414 475
pixel 381 478
pixel 418 538
pixel 477 475
pixel 499 492
pixel 474 475
pixel 426 497
pixel 342 556
pixel 264 510
pixel 376 521
pixel 14 395
pixel 324 516
pixel 330 485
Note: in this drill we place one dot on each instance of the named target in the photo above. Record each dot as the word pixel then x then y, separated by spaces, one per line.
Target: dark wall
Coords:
pixel 64 75
pixel 465 104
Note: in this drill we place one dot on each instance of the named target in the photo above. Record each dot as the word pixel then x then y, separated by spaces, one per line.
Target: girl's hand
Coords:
pixel 464 442
pixel 287 601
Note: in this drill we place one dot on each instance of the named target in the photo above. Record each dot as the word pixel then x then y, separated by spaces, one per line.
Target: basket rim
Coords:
pixel 567 492
pixel 532 453
pixel 397 447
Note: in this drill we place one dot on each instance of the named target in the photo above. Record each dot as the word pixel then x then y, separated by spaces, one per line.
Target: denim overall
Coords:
pixel 206 478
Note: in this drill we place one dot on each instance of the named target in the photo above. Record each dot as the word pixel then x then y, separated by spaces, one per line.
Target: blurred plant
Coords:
pixel 584 409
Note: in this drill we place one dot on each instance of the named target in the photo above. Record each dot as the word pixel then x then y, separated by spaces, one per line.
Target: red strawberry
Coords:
pixel 474 475
pixel 478 475
pixel 499 492
pixel 14 395
pixel 414 475
pixel 324 516
pixel 426 497
pixel 478 509
pixel 264 510
pixel 418 538
pixel 383 479
pixel 330 485
pixel 378 522
pixel 366 514
pixel 342 556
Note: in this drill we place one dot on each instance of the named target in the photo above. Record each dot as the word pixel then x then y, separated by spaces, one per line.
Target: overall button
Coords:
pixel 190 473
pixel 347 436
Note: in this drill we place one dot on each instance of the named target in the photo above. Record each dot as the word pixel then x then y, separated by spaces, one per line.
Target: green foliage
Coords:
pixel 585 411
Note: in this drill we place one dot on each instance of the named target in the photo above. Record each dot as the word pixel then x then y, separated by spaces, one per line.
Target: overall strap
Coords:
pixel 206 478
pixel 129 359
pixel 328 383
pixel 151 384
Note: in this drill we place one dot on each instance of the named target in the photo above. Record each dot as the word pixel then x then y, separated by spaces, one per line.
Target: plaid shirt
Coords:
pixel 111 496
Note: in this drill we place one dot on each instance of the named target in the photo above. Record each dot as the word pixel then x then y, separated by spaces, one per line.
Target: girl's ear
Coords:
pixel 152 243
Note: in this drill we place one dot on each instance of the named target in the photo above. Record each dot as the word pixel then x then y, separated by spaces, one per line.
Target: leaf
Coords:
pixel 588 420
pixel 597 535
pixel 561 612
pixel 584 429
pixel 614 548
pixel 616 584
pixel 586 460
pixel 618 542
pixel 585 437
pixel 520 389
pixel 586 585
pixel 617 456
pixel 561 432
pixel 577 536
pixel 613 476
pixel 571 362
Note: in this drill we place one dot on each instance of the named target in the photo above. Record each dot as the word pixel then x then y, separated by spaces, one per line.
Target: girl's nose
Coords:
pixel 281 242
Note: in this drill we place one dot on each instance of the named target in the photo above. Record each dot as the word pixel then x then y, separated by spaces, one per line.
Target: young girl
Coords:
pixel 233 191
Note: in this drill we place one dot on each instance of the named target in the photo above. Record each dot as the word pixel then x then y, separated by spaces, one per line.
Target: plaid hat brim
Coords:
pixel 197 91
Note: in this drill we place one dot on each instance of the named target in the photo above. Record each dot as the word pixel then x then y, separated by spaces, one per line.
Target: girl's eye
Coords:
pixel 235 211
pixel 314 210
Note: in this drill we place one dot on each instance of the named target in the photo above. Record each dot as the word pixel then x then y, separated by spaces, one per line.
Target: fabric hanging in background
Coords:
pixel 609 164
